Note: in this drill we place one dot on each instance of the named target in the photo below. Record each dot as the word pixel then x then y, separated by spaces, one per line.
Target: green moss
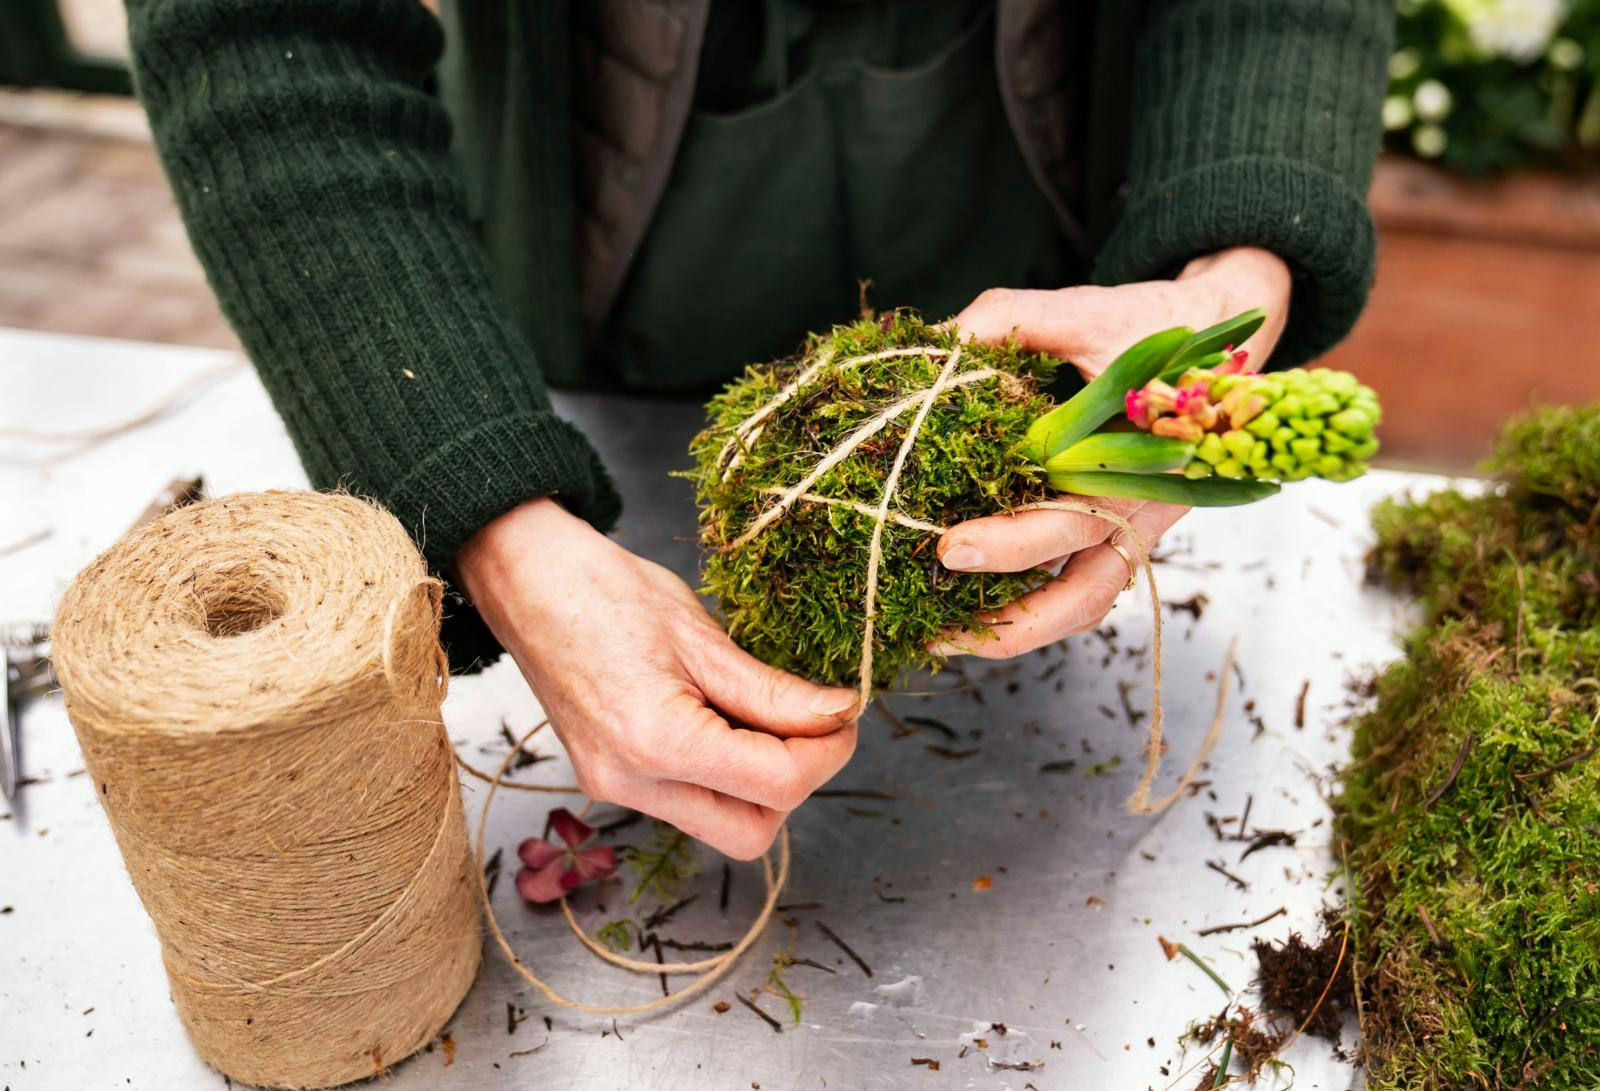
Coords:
pixel 794 596
pixel 1503 857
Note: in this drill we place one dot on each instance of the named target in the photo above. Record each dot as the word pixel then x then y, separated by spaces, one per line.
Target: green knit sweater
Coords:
pixel 313 167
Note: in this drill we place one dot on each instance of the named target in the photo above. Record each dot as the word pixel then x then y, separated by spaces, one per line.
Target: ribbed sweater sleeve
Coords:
pixel 313 173
pixel 1256 122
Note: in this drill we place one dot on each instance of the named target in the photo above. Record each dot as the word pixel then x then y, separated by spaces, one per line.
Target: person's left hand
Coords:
pixel 1090 326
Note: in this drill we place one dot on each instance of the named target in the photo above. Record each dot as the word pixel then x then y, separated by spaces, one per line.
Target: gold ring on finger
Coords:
pixel 1133 565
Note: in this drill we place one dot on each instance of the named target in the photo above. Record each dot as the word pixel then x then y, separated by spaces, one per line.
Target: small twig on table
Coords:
pixel 1226 874
pixel 1217 929
pixel 813 964
pixel 777 1027
pixel 666 913
pixel 936 725
pixel 655 942
pixel 1244 819
pixel 900 730
pixel 845 947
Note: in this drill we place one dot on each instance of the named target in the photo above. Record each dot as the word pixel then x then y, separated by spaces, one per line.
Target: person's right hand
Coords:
pixel 657 707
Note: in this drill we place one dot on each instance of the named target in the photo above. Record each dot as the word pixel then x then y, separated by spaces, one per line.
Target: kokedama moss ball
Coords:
pixel 794 595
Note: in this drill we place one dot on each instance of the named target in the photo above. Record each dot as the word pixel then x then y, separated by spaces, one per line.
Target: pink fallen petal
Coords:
pixel 596 863
pixel 542 884
pixel 569 827
pixel 536 852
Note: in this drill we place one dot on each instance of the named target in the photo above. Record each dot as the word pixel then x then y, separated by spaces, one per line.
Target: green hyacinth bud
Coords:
pixel 1238 443
pixel 1241 426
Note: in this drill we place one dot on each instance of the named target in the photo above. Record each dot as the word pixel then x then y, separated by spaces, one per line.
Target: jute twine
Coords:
pixel 255 683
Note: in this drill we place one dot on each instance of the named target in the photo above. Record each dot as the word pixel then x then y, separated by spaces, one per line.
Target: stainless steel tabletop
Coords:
pixel 1060 950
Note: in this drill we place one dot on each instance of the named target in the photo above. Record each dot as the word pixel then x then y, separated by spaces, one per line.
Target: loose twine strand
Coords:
pixel 710 969
pixel 745 434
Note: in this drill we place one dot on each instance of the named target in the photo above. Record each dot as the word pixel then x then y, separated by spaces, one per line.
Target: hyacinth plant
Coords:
pixel 1200 411
pixel 1201 429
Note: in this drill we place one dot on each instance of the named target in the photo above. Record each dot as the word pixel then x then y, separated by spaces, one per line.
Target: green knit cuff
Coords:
pixel 481 474
pixel 1312 219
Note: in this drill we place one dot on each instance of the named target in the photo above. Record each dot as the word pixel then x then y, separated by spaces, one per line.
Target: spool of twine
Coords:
pixel 255 683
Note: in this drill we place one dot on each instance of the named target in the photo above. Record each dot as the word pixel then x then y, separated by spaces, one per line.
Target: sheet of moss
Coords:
pixel 1472 806
pixel 794 596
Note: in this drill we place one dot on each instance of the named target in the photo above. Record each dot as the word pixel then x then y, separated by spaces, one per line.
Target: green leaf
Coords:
pixel 1098 402
pixel 615 935
pixel 663 864
pixel 1222 1066
pixel 1213 339
pixel 1135 452
pixel 1211 492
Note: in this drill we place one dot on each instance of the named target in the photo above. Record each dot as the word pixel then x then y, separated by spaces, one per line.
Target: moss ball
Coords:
pixel 794 595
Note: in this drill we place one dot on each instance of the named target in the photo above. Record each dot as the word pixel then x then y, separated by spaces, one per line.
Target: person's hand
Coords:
pixel 1090 326
pixel 657 707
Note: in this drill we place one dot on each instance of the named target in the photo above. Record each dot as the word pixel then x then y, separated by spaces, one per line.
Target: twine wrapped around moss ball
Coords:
pixel 822 482
pixel 790 483
pixel 255 683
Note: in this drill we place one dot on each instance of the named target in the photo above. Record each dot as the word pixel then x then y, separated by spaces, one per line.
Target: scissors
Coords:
pixel 25 650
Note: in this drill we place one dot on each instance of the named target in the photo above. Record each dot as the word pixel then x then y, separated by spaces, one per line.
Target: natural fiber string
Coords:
pixel 1139 802
pixel 749 430
pixel 711 969
pixel 255 684
pixel 844 450
pixel 875 546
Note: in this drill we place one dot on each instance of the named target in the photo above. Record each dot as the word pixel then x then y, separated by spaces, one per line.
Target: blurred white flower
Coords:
pixel 1432 100
pixel 1429 141
pixel 1566 54
pixel 1519 30
pixel 1403 64
pixel 1396 113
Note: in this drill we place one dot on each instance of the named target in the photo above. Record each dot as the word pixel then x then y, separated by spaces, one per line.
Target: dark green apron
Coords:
pixel 876 147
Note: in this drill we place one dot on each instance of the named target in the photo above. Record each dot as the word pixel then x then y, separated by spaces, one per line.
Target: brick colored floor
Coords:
pixel 90 241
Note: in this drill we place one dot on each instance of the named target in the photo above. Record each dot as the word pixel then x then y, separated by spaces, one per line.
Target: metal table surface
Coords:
pixel 1061 949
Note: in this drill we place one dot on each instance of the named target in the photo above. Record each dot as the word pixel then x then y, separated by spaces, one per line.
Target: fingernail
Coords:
pixel 963 558
pixel 831 703
pixel 946 649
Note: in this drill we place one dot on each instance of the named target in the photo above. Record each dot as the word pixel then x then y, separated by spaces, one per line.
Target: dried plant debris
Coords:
pixel 1472 804
pixel 1309 984
pixel 793 594
pixel 1256 1042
